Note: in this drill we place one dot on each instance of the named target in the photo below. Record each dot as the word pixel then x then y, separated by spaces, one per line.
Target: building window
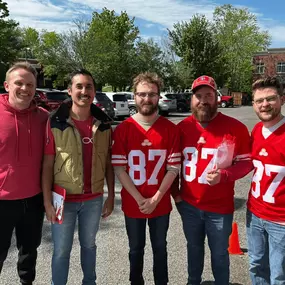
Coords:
pixel 280 67
pixel 260 68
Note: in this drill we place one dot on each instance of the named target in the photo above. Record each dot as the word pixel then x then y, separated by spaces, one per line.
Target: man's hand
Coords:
pixel 50 213
pixel 108 207
pixel 148 205
pixel 213 177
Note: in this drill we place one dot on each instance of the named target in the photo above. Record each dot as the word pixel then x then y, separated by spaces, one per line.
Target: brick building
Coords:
pixel 269 63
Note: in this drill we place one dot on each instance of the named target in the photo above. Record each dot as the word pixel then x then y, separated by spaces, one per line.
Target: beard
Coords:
pixel 204 113
pixel 269 115
pixel 147 109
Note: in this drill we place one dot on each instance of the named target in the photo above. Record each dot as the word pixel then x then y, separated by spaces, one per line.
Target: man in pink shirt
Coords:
pixel 22 127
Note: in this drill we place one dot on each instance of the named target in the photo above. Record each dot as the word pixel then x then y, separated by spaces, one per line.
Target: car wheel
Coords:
pixel 133 111
pixel 223 104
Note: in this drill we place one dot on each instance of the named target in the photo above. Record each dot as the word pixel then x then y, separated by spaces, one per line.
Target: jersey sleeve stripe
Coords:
pixel 119 162
pixel 178 159
pixel 176 154
pixel 119 156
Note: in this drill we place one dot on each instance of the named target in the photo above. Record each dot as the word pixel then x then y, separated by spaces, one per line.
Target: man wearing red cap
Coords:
pixel 216 152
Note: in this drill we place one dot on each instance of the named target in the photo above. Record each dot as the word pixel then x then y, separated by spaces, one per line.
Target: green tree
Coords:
pixel 30 42
pixel 195 43
pixel 111 45
pixel 10 40
pixel 148 57
pixel 240 37
pixel 57 56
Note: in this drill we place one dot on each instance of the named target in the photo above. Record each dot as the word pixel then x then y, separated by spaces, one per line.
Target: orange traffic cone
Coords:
pixel 234 247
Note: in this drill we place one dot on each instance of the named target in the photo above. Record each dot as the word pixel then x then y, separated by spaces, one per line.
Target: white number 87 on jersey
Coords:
pixel 141 166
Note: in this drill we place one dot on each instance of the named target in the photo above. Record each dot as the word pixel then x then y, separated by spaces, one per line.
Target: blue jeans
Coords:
pixel 136 230
pixel 88 213
pixel 266 250
pixel 196 225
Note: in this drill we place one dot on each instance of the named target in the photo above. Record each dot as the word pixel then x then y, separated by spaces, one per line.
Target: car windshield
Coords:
pixel 101 97
pixel 170 96
pixel 119 98
pixel 59 96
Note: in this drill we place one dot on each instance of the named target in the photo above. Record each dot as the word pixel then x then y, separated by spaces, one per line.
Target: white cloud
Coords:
pixel 36 9
pixel 41 15
pixel 163 12
pixel 45 15
pixel 149 25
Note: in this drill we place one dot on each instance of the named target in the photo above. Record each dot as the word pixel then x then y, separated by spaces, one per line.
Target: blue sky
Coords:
pixel 153 17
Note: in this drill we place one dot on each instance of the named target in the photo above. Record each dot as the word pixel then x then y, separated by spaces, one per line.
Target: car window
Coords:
pixel 119 98
pixel 170 96
pixel 60 96
pixel 102 97
pixel 129 96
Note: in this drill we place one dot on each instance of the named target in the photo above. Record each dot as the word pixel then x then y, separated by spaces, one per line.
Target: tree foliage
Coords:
pixel 240 37
pixel 110 47
pixel 195 43
pixel 111 40
pixel 10 40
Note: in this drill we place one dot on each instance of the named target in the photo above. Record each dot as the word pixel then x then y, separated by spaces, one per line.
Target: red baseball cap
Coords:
pixel 204 80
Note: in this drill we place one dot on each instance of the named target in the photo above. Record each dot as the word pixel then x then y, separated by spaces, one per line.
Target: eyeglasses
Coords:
pixel 144 94
pixel 270 99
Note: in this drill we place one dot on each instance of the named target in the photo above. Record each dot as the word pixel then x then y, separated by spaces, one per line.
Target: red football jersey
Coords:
pixel 224 141
pixel 267 194
pixel 146 155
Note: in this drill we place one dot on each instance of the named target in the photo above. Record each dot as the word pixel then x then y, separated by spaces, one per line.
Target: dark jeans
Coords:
pixel 198 224
pixel 26 217
pixel 136 230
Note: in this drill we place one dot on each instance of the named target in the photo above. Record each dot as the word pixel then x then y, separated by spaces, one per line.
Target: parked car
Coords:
pixel 183 101
pixel 131 103
pixel 49 99
pixel 225 101
pixel 166 104
pixel 120 104
pixel 102 101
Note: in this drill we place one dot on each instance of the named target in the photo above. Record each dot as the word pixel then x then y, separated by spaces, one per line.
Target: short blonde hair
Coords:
pixel 22 65
pixel 269 81
pixel 148 77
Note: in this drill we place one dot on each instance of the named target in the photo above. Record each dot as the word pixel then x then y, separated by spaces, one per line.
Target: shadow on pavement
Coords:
pixel 239 202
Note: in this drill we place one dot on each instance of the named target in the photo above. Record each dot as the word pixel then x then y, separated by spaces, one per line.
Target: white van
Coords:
pixel 120 103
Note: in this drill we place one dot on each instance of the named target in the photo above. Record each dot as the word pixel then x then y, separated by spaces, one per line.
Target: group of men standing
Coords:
pixel 197 162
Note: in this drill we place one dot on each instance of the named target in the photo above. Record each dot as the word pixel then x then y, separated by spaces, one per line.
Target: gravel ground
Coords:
pixel 112 253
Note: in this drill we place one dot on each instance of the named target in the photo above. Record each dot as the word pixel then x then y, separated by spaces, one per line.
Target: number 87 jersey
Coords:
pixel 146 154
pixel 267 194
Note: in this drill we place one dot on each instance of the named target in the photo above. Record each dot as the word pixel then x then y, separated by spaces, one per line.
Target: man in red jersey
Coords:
pixel 22 128
pixel 266 201
pixel 146 158
pixel 78 158
pixel 216 150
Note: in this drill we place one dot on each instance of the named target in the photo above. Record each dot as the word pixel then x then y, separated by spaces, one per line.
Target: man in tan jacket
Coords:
pixel 77 158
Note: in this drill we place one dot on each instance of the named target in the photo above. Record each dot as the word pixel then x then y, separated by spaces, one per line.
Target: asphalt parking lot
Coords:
pixel 112 252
